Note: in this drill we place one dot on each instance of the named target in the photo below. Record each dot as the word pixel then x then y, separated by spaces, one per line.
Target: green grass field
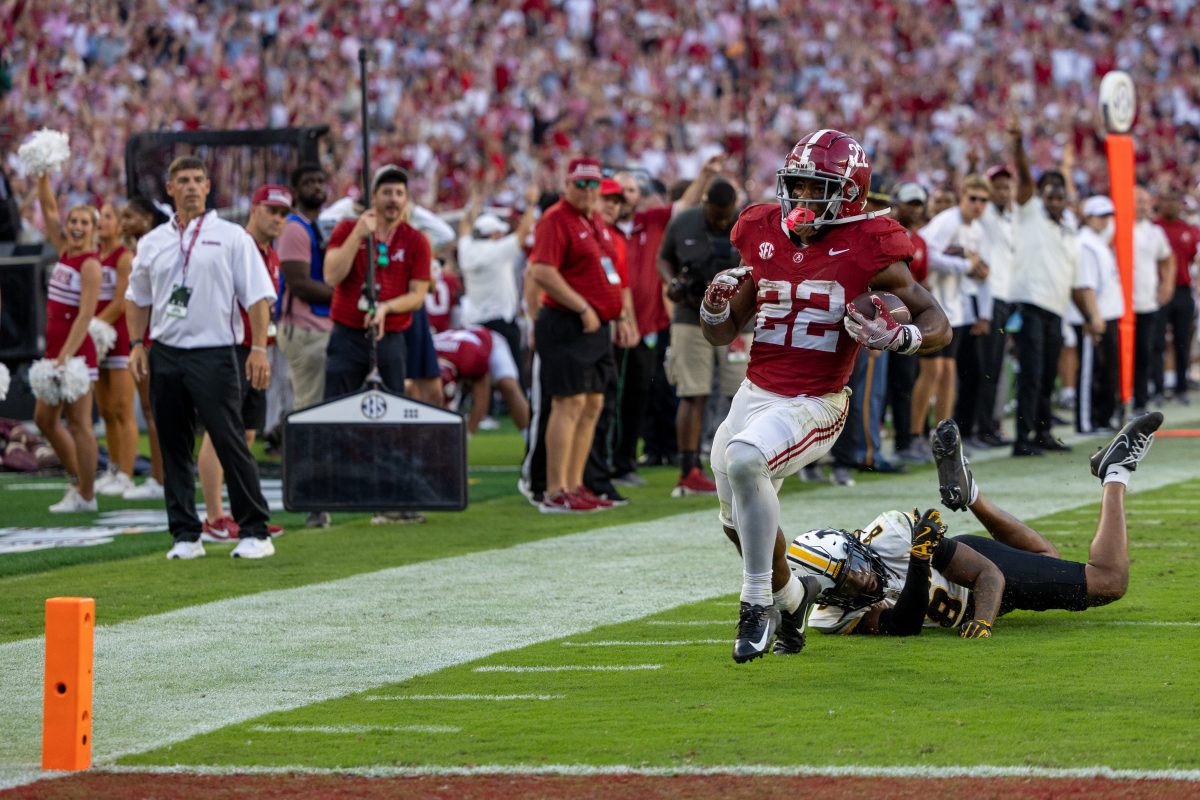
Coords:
pixel 504 637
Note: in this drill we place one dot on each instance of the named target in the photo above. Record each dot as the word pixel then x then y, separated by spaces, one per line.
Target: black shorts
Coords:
pixel 1033 582
pixel 254 401
pixel 421 358
pixel 950 350
pixel 572 362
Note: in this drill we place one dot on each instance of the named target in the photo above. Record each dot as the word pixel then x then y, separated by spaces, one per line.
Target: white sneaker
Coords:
pixel 253 548
pixel 73 503
pixel 150 490
pixel 104 479
pixel 116 485
pixel 186 550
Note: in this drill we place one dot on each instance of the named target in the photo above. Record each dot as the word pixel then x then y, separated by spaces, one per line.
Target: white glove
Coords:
pixel 883 332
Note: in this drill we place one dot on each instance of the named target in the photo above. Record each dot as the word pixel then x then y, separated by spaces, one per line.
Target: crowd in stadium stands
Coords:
pixel 960 106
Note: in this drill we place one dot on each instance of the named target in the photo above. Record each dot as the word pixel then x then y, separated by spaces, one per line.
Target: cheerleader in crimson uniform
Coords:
pixel 139 217
pixel 115 389
pixel 70 304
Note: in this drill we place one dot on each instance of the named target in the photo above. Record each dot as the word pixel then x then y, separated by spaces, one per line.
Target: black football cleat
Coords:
pixel 1129 446
pixel 789 638
pixel 954 478
pixel 756 627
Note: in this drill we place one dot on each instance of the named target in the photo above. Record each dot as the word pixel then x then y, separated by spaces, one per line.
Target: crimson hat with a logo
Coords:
pixel 584 169
pixel 609 187
pixel 270 194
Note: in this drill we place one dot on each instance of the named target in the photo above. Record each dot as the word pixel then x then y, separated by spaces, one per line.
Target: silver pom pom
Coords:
pixel 44 151
pixel 75 379
pixel 5 381
pixel 44 380
pixel 104 336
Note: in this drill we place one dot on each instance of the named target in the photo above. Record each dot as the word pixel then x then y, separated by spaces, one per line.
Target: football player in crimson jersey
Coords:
pixel 803 260
pixel 900 574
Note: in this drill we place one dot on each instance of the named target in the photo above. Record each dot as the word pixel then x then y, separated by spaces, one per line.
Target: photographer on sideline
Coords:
pixel 695 248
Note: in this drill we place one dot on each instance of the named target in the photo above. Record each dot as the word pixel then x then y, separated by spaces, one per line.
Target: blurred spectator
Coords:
pixel 908 204
pixel 1045 265
pixel 1180 311
pixel 695 248
pixel 996 223
pixel 1153 288
pixel 1103 300
pixel 304 322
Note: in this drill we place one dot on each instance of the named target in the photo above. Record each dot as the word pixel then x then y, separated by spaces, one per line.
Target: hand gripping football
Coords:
pixel 894 305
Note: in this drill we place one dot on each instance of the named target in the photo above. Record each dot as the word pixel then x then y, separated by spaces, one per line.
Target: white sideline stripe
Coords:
pixel 697 622
pixel 1162 623
pixel 572 668
pixel 673 642
pixel 588 770
pixel 317 642
pixel 355 729
pixel 471 697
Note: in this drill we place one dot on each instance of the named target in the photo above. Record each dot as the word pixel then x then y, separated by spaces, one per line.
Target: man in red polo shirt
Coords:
pixel 575 262
pixel 1179 312
pixel 402 281
pixel 269 208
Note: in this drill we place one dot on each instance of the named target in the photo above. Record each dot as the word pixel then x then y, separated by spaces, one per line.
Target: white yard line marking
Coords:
pixel 671 643
pixel 571 668
pixel 470 697
pixel 1162 623
pixel 355 729
pixel 696 622
pixel 588 770
pixel 290 648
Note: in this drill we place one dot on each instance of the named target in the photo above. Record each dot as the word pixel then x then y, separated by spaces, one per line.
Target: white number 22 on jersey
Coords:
pixel 780 322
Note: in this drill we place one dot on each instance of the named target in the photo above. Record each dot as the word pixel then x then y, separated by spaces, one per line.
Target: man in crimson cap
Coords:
pixel 269 209
pixel 574 261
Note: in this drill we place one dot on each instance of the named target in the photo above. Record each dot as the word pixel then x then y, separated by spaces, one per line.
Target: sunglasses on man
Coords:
pixel 590 183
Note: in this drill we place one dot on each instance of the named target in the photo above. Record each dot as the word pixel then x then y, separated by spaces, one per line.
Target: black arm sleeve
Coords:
pixel 908 615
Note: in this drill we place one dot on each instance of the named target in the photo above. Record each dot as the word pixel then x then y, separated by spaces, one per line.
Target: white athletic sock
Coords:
pixel 756 588
pixel 974 493
pixel 790 596
pixel 1117 474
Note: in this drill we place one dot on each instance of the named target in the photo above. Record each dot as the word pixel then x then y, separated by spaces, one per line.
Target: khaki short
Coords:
pixel 691 360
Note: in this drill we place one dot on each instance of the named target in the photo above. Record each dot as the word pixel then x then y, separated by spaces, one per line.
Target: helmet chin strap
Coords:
pixel 818 225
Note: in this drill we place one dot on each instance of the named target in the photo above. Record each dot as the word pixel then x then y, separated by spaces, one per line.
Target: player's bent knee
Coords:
pixel 1105 586
pixel 744 463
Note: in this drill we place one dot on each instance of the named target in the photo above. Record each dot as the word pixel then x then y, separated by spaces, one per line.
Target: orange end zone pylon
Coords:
pixel 67 692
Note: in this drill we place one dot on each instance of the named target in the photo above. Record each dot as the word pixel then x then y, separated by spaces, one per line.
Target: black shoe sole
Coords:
pixel 947 454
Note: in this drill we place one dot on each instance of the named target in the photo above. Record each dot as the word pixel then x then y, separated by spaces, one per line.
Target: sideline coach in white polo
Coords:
pixel 189 275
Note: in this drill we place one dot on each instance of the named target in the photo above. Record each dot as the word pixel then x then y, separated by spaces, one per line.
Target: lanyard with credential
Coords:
pixel 187 254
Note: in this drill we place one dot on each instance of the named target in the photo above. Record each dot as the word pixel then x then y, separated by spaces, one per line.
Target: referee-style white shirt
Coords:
pixel 1047 258
pixel 225 269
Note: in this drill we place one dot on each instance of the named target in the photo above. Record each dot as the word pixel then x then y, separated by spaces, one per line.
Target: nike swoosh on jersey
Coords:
pixel 833 252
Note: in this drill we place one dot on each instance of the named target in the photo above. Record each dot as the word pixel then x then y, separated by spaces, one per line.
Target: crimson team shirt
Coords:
pixel 575 245
pixel 645 284
pixel 800 346
pixel 270 260
pixel 408 259
pixel 919 266
pixel 1184 240
pixel 464 352
pixel 443 296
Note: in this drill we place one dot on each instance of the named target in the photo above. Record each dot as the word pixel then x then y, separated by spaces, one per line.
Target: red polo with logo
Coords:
pixel 575 245
pixel 645 284
pixel 1183 239
pixel 408 260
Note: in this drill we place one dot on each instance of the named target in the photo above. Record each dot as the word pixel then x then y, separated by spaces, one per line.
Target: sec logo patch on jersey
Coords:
pixel 766 250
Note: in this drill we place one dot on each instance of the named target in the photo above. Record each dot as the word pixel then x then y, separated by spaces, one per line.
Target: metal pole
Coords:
pixel 374 381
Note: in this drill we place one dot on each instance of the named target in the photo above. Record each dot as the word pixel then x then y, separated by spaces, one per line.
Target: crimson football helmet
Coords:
pixel 852 576
pixel 840 162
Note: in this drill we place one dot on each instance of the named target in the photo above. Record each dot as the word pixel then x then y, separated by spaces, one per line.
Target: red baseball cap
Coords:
pixel 270 194
pixel 610 187
pixel 584 169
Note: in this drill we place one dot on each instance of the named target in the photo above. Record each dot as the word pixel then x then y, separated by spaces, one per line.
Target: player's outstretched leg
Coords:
pixel 802 594
pixel 1107 567
pixel 955 481
pixel 756 517
pixel 1126 449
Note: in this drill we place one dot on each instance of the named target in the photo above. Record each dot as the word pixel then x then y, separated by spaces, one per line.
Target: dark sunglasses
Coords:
pixel 587 184
pixel 974 198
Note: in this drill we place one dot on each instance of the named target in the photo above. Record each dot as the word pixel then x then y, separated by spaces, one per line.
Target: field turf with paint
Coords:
pixel 505 653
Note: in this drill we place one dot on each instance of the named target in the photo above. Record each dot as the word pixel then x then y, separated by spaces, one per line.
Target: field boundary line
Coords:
pixel 467 697
pixel 569 668
pixel 355 729
pixel 587 770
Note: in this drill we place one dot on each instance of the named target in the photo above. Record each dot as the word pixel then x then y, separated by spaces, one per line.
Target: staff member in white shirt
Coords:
pixel 1044 270
pixel 1101 300
pixel 189 277
pixel 1153 285
pixel 998 253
